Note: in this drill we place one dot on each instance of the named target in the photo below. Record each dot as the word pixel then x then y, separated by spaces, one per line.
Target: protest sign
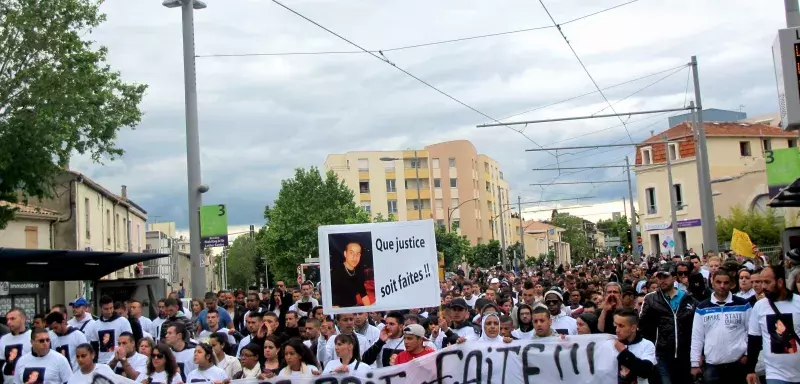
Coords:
pixel 741 244
pixel 575 360
pixel 378 266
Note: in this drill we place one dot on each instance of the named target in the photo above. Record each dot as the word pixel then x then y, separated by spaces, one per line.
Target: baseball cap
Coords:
pixel 459 303
pixel 665 269
pixel 494 280
pixel 81 302
pixel 416 330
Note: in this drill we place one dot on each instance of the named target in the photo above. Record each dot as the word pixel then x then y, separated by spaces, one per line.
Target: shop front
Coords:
pixel 32 297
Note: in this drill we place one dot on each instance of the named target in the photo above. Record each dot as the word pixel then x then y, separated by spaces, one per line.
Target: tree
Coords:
pixel 455 248
pixel 57 95
pixel 304 203
pixel 575 235
pixel 616 228
pixel 764 229
pixel 484 255
pixel 242 262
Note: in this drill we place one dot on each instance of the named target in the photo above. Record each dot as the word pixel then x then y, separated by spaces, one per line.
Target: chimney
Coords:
pixel 125 192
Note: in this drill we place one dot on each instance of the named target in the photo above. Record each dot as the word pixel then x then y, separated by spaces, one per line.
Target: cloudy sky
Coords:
pixel 263 116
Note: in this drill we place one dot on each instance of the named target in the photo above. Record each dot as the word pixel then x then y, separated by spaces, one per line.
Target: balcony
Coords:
pixel 424 193
pixel 411 173
pixel 413 214
pixel 363 174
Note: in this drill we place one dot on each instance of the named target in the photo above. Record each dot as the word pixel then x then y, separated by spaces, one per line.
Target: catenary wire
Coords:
pixel 384 59
pixel 575 53
pixel 449 41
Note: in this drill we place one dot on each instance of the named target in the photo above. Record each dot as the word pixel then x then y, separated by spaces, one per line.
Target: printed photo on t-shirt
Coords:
pixel 64 351
pixel 106 338
pixel 783 339
pixel 180 371
pixel 562 331
pixel 12 353
pixel 33 375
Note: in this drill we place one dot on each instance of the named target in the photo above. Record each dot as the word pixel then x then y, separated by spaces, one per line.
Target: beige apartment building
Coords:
pixel 458 188
pixel 738 177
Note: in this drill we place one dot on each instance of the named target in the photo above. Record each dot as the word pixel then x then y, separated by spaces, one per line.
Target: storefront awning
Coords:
pixel 787 197
pixel 64 265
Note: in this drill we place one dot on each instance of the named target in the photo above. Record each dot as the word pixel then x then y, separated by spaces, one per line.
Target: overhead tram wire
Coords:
pixel 449 41
pixel 558 26
pixel 385 60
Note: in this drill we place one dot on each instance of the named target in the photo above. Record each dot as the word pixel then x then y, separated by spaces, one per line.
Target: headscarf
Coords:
pixel 591 320
pixel 484 337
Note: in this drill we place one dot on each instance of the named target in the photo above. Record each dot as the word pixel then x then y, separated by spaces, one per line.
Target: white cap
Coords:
pixel 494 280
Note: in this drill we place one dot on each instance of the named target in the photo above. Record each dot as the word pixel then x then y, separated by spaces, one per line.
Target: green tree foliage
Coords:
pixel 242 262
pixel 455 248
pixel 57 95
pixel 764 229
pixel 484 255
pixel 616 228
pixel 575 235
pixel 304 203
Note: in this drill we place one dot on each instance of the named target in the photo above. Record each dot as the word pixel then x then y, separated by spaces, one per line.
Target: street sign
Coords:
pixel 610 238
pixel 783 168
pixel 214 226
pixel 612 243
pixel 620 249
pixel 786 59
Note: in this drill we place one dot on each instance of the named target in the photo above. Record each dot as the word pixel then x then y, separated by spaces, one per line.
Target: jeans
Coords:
pixel 731 373
pixel 674 371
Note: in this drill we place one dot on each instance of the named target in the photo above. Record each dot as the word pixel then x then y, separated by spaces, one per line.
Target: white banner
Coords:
pixel 378 266
pixel 576 360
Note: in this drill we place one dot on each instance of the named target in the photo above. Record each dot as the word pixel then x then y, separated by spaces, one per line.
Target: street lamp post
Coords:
pixel 451 210
pixel 416 167
pixel 195 187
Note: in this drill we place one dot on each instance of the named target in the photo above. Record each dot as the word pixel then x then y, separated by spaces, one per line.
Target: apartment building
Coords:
pixel 738 177
pixel 448 182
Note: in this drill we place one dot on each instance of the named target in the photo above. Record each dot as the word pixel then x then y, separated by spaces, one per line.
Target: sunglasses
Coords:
pixel 552 302
pixel 42 341
pixel 157 356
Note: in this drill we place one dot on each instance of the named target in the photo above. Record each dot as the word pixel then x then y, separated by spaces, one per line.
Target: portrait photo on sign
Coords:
pixel 351 269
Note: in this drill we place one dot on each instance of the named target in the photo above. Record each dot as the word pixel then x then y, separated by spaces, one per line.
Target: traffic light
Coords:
pixel 630 238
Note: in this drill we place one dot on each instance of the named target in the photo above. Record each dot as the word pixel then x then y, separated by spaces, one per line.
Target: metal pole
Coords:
pixel 198 274
pixel 701 180
pixel 673 204
pixel 419 197
pixel 634 250
pixel 521 227
pixel 582 117
pixel 707 219
pixel 792 13
pixel 502 225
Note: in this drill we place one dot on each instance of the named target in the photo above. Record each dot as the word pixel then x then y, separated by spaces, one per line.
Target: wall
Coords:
pixel 14 236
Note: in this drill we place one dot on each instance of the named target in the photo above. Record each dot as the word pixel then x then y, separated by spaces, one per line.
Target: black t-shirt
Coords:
pixel 345 285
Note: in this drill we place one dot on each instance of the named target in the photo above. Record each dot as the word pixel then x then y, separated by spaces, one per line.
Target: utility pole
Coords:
pixel 634 235
pixel 673 204
pixel 792 13
pixel 521 227
pixel 707 219
pixel 502 227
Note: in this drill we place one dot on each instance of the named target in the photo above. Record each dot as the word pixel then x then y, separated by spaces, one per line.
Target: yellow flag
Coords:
pixel 741 244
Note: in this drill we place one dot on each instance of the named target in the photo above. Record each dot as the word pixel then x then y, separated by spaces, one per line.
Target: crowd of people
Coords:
pixel 720 320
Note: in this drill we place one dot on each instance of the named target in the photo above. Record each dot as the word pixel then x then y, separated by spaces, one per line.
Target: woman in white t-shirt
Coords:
pixel 347 361
pixel 161 367
pixel 84 355
pixel 206 370
pixel 300 362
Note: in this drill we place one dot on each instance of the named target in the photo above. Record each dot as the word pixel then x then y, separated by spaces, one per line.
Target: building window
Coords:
pixel 388 166
pixel 486 167
pixel 363 165
pixel 438 203
pixel 501 175
pixel 437 183
pixel 436 163
pixel 363 186
pixel 678 197
pixel 32 237
pixel 367 206
pixel 451 162
pixel 650 196
pixel 392 206
pixel 440 223
pixel 673 152
pixel 116 230
pixel 414 163
pixel 453 182
pixel 391 185
pixel 744 148
pixel 767 144
pixel 108 226
pixel 416 204
pixel 454 203
pixel 488 187
pixel 647 156
pixel 454 225
pixel 86 217
pixel 792 143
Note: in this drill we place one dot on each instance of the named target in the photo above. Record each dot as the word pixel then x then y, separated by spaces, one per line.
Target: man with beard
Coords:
pixel 774 328
pixel 390 341
pixel 65 339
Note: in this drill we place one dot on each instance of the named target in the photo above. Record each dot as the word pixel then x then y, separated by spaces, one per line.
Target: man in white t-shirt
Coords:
pixel 81 317
pixel 42 365
pixel 774 328
pixel 127 362
pixel 15 344
pixel 306 302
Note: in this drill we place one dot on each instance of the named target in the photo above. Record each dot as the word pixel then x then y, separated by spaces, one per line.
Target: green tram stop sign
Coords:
pixel 213 226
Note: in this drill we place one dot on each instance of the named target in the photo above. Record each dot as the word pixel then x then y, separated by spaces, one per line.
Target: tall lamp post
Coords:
pixel 416 167
pixel 451 210
pixel 195 187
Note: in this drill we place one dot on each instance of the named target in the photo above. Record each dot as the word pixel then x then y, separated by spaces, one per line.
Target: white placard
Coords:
pixel 388 266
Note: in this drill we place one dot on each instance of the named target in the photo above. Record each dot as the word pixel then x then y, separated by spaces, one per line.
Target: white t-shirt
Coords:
pixel 137 361
pixel 564 325
pixel 355 366
pixel 206 334
pixel 156 328
pixel 213 373
pixel 147 325
pixel 79 377
pixel 471 301
pixel 158 378
pixel 67 344
pixel 53 367
pixel 185 360
pixel 106 334
pixel 82 324
pixel 13 348
pixel 643 350
pixel 781 355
